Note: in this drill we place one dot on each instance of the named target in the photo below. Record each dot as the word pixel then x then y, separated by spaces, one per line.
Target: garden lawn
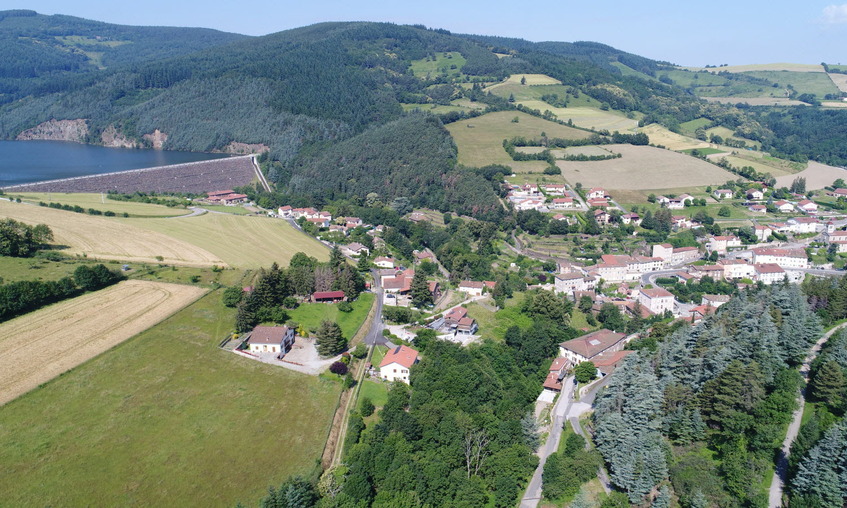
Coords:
pixel 376 391
pixel 310 315
pixel 164 419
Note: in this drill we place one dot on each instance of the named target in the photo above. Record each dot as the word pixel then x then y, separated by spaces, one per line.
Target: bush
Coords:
pixel 232 296
pixel 289 302
pixel 366 407
pixel 345 307
pixel 360 351
pixel 339 368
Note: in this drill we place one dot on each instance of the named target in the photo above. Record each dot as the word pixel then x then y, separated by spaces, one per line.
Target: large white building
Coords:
pixel 785 258
pixel 587 347
pixel 769 273
pixel 721 244
pixel 658 300
pixel 574 281
pixel 271 339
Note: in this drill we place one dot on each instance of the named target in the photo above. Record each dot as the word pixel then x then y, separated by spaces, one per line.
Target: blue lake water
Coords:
pixel 36 161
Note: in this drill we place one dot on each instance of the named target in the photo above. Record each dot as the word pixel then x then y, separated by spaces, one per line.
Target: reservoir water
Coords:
pixel 37 161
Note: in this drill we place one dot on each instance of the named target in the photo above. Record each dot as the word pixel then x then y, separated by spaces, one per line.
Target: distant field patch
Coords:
pixel 793 67
pixel 240 241
pixel 839 80
pixel 39 346
pixel 467 103
pixel 644 167
pixel 817 83
pixel 693 125
pixel 444 64
pixel 530 79
pixel 480 139
pixel 834 104
pixel 164 419
pixel 660 135
pixel 704 151
pixel 817 176
pixel 435 109
pixel 587 150
pixel 588 118
pixel 101 202
pixel 757 165
pixel 107 238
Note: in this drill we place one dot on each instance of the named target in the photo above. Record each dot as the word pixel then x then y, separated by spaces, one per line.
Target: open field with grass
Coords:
pixel 756 101
pixel 817 176
pixel 236 210
pixel 644 167
pixel 311 315
pixel 102 202
pixel 164 419
pixel 818 83
pixel 839 80
pixel 758 165
pixel 36 268
pixel 36 347
pixel 728 133
pixel 444 64
pixel 467 103
pixel 793 67
pixel 493 325
pixel 660 135
pixel 531 79
pixel 587 118
pixel 109 238
pixel 480 139
pixel 435 109
pixel 692 125
pixel 240 241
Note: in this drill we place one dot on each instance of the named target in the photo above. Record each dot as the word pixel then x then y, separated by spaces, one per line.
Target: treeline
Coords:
pixel 18 298
pixel 275 289
pixel 22 240
pixel 727 384
pixel 802 133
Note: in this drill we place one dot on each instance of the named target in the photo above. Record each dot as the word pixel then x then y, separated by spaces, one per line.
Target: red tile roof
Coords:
pixel 592 344
pixel 267 335
pixel 402 355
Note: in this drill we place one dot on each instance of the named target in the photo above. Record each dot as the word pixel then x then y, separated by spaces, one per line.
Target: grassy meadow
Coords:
pixel 311 315
pixel 240 241
pixel 587 118
pixel 445 64
pixel 480 139
pixel 164 419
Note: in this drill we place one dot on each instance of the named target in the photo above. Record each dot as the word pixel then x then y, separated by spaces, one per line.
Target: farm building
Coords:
pixel 328 296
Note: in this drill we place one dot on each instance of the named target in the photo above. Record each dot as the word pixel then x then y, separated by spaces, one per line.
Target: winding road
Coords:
pixel 779 476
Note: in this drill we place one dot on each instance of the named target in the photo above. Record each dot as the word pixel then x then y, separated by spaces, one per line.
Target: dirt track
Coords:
pixel 39 346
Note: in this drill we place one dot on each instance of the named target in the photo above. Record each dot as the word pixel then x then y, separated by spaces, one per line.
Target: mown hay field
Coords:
pixel 36 347
pixel 793 67
pixel 587 118
pixel 165 419
pixel 530 79
pixel 840 81
pixel 108 238
pixel 644 167
pixel 756 101
pixel 818 83
pixel 240 241
pixel 102 202
pixel 817 176
pixel 758 165
pixel 660 135
pixel 480 139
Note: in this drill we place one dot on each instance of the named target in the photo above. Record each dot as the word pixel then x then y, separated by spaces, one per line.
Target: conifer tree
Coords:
pixel 421 295
pixel 330 339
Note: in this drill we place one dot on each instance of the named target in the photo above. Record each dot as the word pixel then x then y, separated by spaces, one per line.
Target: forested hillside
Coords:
pixel 703 416
pixel 41 53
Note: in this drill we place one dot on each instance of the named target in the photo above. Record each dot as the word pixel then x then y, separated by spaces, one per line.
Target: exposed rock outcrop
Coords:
pixel 245 148
pixel 157 139
pixel 111 137
pixel 57 130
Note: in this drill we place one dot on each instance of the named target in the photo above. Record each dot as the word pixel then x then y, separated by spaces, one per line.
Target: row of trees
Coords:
pixel 18 298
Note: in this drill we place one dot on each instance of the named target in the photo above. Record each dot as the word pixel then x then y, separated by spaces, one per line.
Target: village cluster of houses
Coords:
pixel 544 198
pixel 755 201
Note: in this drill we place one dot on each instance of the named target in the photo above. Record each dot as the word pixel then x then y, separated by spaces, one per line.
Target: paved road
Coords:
pixel 779 476
pixel 374 336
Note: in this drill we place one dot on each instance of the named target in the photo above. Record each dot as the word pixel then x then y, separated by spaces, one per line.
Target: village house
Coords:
pixel 736 269
pixel 565 218
pixel 758 208
pixel 354 249
pixel 561 203
pixel 658 300
pixel 607 361
pixel 769 273
pixel 397 363
pixel 714 300
pixel 466 326
pixel 226 197
pixel 601 217
pixel 803 225
pixel 271 339
pixel 351 222
pixel 755 194
pixel 781 227
pixel 398 286
pixel 785 258
pixel 284 211
pixel 455 315
pixel 596 193
pixel 807 206
pixel 384 262
pixel 334 228
pixel 839 239
pixel 783 206
pixel 762 232
pixel 589 346
pixel 319 222
pixel 699 312
pixel 619 268
pixel 473 288
pixel 424 255
pixel 631 218
pixel 557 372
pixel 570 282
pixel 529 204
pixel 554 189
pixel 675 256
pixel 721 244
pixel 722 194
pixel 838 193
pixel 716 272
pixel 598 203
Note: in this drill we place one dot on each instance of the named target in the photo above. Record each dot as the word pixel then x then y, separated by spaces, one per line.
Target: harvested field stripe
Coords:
pixel 39 346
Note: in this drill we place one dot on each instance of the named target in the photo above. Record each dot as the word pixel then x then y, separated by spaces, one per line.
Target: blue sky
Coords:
pixel 714 32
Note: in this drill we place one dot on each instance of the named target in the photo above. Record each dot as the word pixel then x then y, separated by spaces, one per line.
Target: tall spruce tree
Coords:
pixel 330 339
pixel 421 295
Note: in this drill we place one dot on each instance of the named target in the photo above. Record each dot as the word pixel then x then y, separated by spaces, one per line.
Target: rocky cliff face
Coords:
pixel 245 148
pixel 156 139
pixel 111 137
pixel 57 130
